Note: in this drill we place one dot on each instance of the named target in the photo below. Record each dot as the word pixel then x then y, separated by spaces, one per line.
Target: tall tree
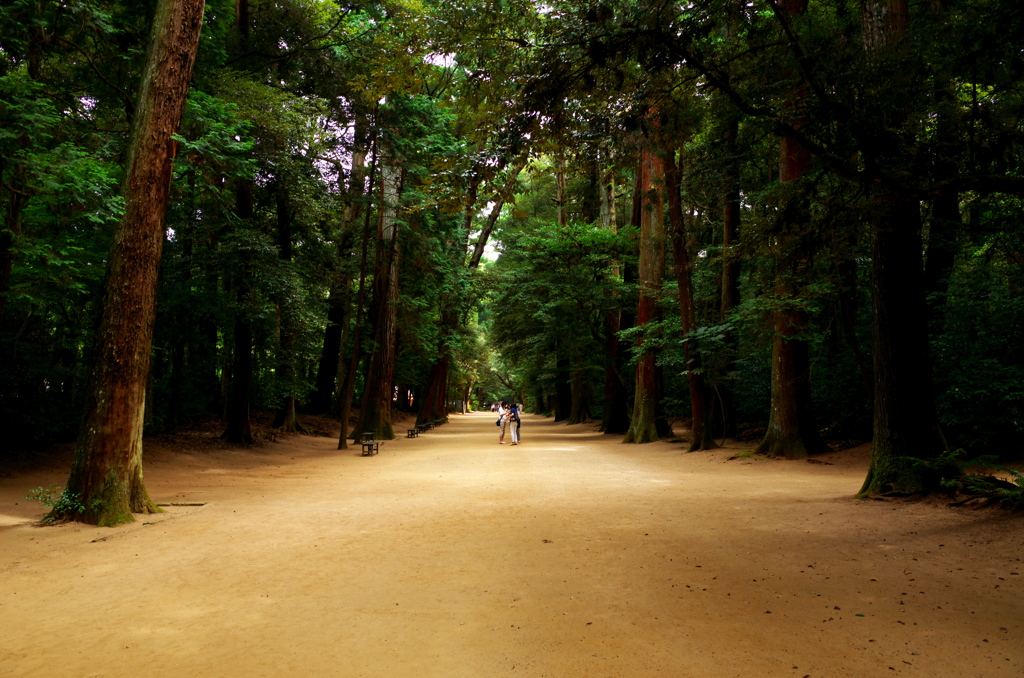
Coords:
pixel 648 422
pixel 791 428
pixel 106 484
pixel 700 430
pixel 375 415
pixel 906 426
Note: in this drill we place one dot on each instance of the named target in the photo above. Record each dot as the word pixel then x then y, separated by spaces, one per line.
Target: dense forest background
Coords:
pixel 796 221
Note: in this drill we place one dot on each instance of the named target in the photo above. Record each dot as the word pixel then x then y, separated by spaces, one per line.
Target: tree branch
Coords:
pixel 128 99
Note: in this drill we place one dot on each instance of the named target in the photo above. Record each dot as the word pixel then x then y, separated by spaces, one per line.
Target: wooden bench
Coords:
pixel 370 446
pixel 438 422
pixel 412 433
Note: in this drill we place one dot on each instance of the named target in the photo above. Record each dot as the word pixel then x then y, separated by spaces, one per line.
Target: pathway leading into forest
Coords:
pixel 570 555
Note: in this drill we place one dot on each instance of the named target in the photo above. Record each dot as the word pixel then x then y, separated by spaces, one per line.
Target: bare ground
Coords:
pixel 448 555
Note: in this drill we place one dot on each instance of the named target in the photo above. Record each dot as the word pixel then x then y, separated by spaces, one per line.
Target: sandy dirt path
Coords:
pixel 567 556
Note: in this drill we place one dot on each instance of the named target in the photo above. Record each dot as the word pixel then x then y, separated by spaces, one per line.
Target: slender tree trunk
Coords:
pixel 347 388
pixel 645 425
pixel 106 484
pixel 287 417
pixel 320 400
pixel 724 424
pixel 615 406
pixel 375 414
pixel 560 193
pixel 846 270
pixel 563 389
pixel 492 219
pixel 700 431
pixel 791 429
pixel 331 369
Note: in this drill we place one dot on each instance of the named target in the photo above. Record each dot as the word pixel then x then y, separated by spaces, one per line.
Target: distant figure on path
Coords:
pixel 502 422
pixel 513 423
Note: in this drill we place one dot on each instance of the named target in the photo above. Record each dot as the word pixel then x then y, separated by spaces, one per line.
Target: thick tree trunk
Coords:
pixel 906 424
pixel 431 403
pixel 320 401
pixel 615 409
pixel 647 423
pixel 239 428
pixel 106 485
pixel 790 427
pixel 905 421
pixel 375 414
pixel 700 431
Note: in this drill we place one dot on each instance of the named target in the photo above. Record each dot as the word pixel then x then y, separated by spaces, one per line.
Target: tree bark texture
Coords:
pixel 327 392
pixel 375 415
pixel 347 388
pixel 722 410
pixel 106 479
pixel 328 369
pixel 615 404
pixel 643 426
pixel 700 431
pixel 791 428
pixel 905 421
pixel 287 417
pixel 431 406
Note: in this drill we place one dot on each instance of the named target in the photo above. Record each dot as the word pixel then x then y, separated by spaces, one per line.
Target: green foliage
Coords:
pixel 60 501
pixel 962 475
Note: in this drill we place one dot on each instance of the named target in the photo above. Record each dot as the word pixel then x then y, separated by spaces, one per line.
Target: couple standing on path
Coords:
pixel 508 416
